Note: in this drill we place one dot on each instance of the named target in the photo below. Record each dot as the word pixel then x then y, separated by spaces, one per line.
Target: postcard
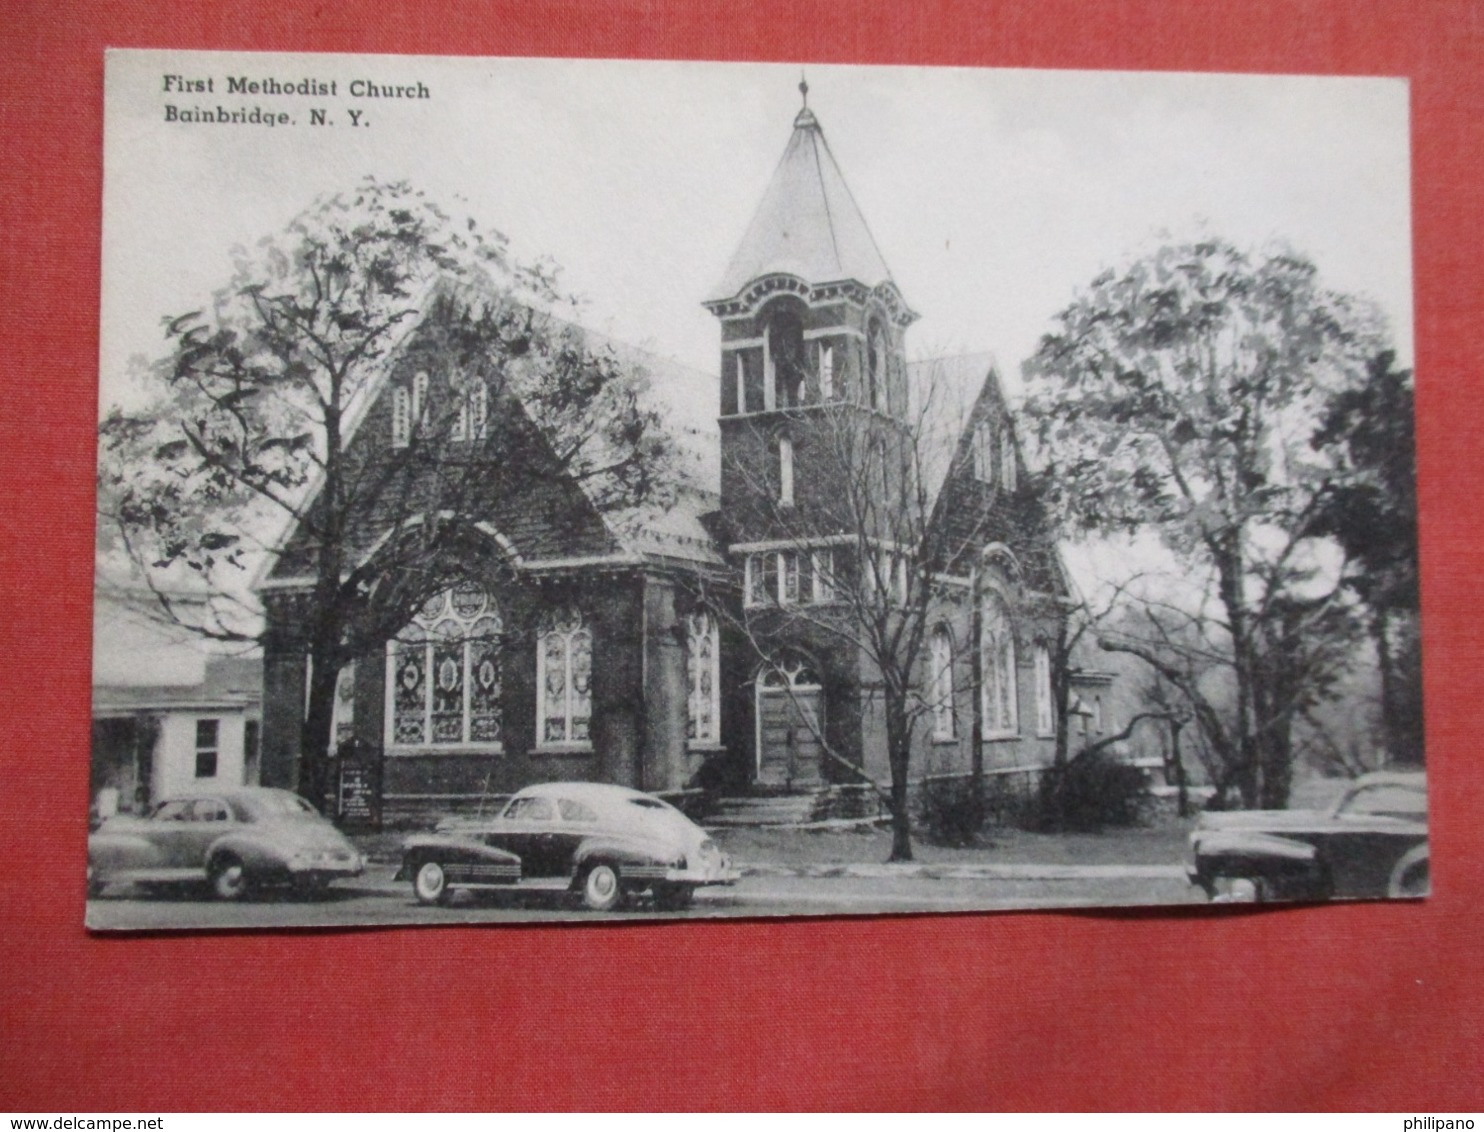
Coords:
pixel 543 489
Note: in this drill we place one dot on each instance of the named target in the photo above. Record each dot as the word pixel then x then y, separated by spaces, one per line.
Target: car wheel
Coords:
pixel 228 878
pixel 430 884
pixel 1410 879
pixel 673 897
pixel 601 890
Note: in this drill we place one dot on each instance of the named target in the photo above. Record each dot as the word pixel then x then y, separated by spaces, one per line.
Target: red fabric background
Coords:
pixel 1341 1007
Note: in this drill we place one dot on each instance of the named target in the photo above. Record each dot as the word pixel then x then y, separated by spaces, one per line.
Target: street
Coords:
pixel 376 899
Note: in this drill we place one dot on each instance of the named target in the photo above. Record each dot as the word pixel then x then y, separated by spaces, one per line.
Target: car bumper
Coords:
pixel 720 874
pixel 320 868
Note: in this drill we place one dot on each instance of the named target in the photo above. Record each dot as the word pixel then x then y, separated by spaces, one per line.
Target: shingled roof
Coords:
pixel 808 224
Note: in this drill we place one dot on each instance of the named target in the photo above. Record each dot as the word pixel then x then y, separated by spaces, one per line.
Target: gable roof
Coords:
pixel 807 224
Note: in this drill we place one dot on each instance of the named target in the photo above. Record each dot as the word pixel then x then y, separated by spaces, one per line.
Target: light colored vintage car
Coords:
pixel 604 843
pixel 234 839
pixel 1371 843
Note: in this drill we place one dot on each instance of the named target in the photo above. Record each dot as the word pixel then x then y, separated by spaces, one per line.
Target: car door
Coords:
pixel 576 822
pixel 171 830
pixel 525 829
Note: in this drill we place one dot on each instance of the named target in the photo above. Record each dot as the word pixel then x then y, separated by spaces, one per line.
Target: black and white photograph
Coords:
pixel 555 489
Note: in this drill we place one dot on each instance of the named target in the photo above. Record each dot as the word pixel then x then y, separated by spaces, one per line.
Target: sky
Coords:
pixel 994 195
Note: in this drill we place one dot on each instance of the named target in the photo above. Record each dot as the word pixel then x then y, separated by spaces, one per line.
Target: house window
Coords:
pixel 207 734
pixel 703 678
pixel 1007 458
pixel 983 448
pixel 940 682
pixel 443 674
pixel 564 672
pixel 741 385
pixel 998 645
pixel 1097 714
pixel 826 373
pixel 1045 711
pixel 785 471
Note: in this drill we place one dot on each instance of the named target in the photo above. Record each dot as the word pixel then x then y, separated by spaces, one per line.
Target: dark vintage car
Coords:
pixel 235 840
pixel 1371 843
pixel 603 843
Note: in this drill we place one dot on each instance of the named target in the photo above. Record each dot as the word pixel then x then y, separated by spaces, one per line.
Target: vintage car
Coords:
pixel 234 839
pixel 1371 843
pixel 603 843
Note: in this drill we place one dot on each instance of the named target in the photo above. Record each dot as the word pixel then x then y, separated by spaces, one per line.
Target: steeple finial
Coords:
pixel 805 116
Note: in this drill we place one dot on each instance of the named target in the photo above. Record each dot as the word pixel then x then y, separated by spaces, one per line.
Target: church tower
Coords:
pixel 813 381
pixel 812 329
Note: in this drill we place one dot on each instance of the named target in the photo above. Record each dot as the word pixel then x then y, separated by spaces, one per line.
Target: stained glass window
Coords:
pixel 444 673
pixel 564 662
pixel 703 679
pixel 1000 709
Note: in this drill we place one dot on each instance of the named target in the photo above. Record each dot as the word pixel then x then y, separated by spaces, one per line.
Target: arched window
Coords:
pixel 940 682
pixel 1007 458
pixel 876 355
pixel 785 470
pixel 702 678
pixel 998 662
pixel 784 359
pixel 401 417
pixel 741 384
pixel 1045 703
pixel 443 674
pixel 564 672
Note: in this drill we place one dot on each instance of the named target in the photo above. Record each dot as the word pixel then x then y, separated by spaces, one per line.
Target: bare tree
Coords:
pixel 861 556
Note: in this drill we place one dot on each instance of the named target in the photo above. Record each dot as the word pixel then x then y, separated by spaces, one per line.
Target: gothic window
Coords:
pixel 1045 709
pixel 875 367
pixel 784 357
pixel 419 396
pixel 443 673
pixel 998 665
pixel 983 446
pixel 785 471
pixel 940 682
pixel 759 573
pixel 401 417
pixel 826 373
pixel 702 678
pixel 1007 458
pixel 822 563
pixel 564 671
pixel 788 578
pixel 343 711
pixel 1097 714
pixel 473 415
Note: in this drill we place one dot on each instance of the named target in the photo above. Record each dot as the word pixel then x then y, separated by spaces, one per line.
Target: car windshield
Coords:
pixel 1388 798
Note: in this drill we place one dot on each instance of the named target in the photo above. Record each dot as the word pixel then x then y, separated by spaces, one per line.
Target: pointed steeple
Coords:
pixel 808 224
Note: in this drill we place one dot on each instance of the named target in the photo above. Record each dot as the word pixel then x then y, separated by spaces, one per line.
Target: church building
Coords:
pixel 726 641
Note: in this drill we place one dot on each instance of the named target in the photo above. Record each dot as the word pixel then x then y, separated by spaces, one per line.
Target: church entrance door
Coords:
pixel 790 723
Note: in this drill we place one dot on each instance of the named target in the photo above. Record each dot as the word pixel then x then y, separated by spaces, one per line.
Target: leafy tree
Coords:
pixel 1371 510
pixel 1178 396
pixel 248 431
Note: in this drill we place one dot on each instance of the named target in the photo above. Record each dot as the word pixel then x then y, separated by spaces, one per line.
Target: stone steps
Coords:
pixel 805 807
